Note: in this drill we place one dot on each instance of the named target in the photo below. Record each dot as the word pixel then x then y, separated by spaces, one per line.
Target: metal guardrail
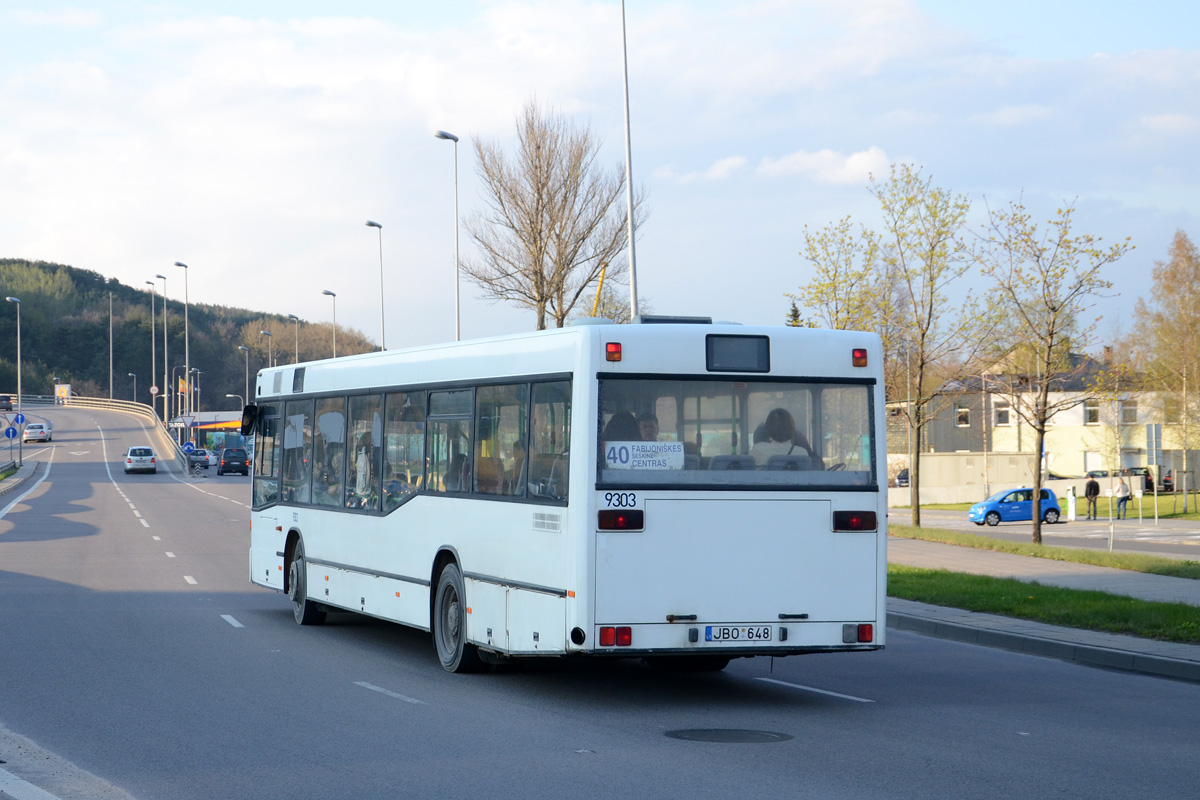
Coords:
pixel 126 406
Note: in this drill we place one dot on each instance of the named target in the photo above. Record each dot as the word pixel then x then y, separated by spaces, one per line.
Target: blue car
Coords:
pixel 1014 505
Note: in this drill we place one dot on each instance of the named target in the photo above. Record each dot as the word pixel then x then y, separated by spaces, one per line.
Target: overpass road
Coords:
pixel 136 660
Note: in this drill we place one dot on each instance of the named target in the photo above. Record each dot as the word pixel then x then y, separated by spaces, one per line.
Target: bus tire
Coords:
pixel 450 624
pixel 304 609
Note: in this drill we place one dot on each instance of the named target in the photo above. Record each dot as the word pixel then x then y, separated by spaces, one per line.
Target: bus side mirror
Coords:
pixel 249 418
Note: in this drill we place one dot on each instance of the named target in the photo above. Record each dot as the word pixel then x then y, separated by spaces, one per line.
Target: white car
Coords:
pixel 140 459
pixel 37 432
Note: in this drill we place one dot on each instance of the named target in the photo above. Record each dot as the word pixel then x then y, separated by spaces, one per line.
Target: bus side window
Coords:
pixel 297 450
pixel 329 451
pixel 404 447
pixel 364 448
pixel 549 440
pixel 501 417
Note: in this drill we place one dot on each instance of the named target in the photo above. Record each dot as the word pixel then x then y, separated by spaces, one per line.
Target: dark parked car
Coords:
pixel 233 459
pixel 902 477
pixel 5 402
pixel 1146 477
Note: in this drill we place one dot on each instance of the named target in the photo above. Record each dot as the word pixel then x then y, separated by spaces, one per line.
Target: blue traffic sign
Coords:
pixel 19 419
pixel 10 432
pixel 188 447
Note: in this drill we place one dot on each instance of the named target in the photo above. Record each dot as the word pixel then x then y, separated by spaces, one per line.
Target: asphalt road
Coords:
pixel 134 647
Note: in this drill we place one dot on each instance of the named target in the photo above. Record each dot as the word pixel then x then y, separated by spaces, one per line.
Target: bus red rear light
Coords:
pixel 624 636
pixel 624 520
pixel 859 356
pixel 855 521
pixel 608 636
pixel 612 351
pixel 866 632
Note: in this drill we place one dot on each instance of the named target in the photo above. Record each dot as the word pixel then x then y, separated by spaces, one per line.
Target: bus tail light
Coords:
pixel 616 637
pixel 612 351
pixel 855 521
pixel 863 633
pixel 624 520
pixel 858 356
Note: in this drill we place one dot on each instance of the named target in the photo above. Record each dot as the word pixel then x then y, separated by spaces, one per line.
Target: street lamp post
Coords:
pixel 153 345
pixel 296 321
pixel 196 406
pixel 21 442
pixel 174 389
pixel 334 296
pixel 166 387
pixel 382 338
pixel 187 360
pixel 247 350
pixel 134 376
pixel 452 138
pixel 241 402
pixel 270 347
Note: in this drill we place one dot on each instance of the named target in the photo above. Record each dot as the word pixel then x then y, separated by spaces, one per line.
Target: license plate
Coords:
pixel 729 633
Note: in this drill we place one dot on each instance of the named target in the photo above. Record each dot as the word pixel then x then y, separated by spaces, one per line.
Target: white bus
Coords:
pixel 679 491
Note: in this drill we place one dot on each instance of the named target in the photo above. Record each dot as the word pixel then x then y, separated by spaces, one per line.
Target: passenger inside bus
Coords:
pixel 622 427
pixel 648 425
pixel 780 438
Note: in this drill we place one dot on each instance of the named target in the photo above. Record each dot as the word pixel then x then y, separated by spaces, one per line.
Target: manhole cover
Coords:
pixel 729 736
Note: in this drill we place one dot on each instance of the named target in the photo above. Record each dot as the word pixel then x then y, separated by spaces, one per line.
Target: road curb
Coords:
pixel 1051 647
pixel 14 481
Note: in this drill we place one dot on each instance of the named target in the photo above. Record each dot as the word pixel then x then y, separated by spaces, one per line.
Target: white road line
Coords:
pixel 38 483
pixel 190 579
pixel 818 691
pixel 137 514
pixel 18 789
pixel 170 554
pixel 389 693
pixel 145 525
pixel 232 621
pixel 156 538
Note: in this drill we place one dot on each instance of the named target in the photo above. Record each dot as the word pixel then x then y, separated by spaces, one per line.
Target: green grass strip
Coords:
pixel 1135 562
pixel 1096 611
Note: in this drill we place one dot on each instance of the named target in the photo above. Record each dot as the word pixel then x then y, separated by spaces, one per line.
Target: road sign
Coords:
pixel 10 432
pixel 19 419
pixel 153 390
pixel 188 447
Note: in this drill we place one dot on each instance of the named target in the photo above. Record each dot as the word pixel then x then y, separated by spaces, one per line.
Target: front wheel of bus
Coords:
pixel 450 624
pixel 304 610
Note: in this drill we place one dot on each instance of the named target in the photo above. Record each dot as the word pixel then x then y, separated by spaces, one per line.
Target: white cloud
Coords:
pixel 720 170
pixel 828 166
pixel 67 18
pixel 1171 124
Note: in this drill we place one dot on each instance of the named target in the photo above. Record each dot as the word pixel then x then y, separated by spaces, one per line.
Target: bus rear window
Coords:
pixel 736 434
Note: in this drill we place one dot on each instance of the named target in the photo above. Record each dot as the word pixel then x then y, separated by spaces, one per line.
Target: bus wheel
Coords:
pixel 450 624
pixel 304 610
pixel 688 663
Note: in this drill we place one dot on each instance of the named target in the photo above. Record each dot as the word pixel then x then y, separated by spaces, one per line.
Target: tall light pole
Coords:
pixel 270 347
pixel 296 321
pixel 633 302
pixel 240 400
pixel 153 345
pixel 187 361
pixel 334 296
pixel 382 337
pixel 247 349
pixel 196 407
pixel 134 376
pixel 166 386
pixel 452 138
pixel 21 443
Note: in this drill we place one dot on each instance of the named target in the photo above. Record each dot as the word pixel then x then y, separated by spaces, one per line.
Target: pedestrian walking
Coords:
pixel 1122 498
pixel 1091 492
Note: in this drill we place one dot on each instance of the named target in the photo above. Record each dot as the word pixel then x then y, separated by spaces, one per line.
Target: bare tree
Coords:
pixel 1047 280
pixel 552 217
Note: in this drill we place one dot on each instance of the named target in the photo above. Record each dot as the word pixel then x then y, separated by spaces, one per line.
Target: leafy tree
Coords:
pixel 1047 278
pixel 552 217
pixel 1168 345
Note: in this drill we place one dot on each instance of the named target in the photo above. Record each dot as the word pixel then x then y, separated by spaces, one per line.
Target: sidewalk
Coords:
pixel 12 482
pixel 1086 647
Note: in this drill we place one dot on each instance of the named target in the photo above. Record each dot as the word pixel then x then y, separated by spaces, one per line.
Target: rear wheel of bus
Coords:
pixel 450 624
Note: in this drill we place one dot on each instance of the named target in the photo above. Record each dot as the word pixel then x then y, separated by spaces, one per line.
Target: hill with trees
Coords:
pixel 65 323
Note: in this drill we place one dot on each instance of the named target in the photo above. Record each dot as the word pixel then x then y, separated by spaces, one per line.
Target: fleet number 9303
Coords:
pixel 620 499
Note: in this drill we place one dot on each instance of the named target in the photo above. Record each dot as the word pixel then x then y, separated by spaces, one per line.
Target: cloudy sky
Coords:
pixel 252 140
